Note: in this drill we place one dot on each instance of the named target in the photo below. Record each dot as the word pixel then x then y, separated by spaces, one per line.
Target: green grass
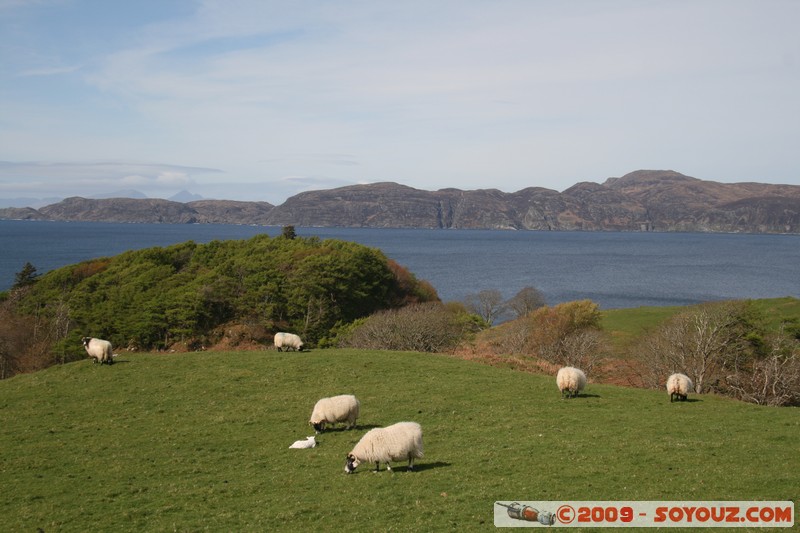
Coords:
pixel 199 442
pixel 626 325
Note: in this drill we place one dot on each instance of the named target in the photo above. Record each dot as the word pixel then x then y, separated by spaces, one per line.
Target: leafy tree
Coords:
pixel 288 232
pixel 25 277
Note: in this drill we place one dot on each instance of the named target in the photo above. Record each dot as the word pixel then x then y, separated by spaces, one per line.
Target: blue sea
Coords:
pixel 615 270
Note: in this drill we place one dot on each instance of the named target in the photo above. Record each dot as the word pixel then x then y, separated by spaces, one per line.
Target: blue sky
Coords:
pixel 259 100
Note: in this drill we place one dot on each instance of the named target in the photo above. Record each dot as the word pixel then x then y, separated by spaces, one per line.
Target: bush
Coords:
pixel 429 327
pixel 567 334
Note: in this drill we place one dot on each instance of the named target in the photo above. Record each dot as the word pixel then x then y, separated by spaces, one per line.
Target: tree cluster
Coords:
pixel 724 348
pixel 490 305
pixel 187 293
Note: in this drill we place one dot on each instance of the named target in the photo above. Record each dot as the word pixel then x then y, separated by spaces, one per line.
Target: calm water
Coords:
pixel 613 269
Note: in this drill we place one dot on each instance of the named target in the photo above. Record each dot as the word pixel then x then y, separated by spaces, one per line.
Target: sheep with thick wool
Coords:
pixel 678 387
pixel 99 350
pixel 342 408
pixel 287 341
pixel 570 381
pixel 397 442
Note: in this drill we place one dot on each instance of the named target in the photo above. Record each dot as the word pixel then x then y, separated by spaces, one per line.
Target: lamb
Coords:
pixel 381 445
pixel 342 408
pixel 309 442
pixel 99 350
pixel 290 341
pixel 570 381
pixel 678 387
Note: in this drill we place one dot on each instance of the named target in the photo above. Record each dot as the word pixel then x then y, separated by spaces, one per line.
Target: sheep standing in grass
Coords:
pixel 288 341
pixel 678 387
pixel 343 408
pixel 397 442
pixel 570 381
pixel 99 350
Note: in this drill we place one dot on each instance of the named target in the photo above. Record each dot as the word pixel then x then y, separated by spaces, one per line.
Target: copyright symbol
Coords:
pixel 565 514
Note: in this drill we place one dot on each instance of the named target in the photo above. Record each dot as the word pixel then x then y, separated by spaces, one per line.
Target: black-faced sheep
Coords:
pixel 342 408
pixel 397 442
pixel 678 387
pixel 288 341
pixel 99 350
pixel 570 381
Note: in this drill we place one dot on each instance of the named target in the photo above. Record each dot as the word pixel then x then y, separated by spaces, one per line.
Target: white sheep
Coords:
pixel 99 350
pixel 289 341
pixel 309 442
pixel 397 442
pixel 678 387
pixel 342 408
pixel 570 381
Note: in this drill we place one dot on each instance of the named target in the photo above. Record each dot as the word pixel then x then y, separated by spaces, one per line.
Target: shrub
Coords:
pixel 428 327
pixel 565 334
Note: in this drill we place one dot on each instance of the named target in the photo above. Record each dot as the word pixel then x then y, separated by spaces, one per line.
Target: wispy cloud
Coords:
pixel 95 177
pixel 432 94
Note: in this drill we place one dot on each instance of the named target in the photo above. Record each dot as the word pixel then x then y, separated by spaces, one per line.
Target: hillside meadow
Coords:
pixel 199 442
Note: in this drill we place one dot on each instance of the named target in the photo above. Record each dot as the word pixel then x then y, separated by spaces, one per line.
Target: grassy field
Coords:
pixel 199 442
pixel 626 325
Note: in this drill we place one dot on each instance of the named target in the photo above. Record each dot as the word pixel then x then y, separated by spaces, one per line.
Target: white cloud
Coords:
pixel 507 94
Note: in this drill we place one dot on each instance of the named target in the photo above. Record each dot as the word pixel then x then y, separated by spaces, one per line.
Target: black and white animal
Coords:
pixel 99 349
pixel 571 381
pixel 287 341
pixel 342 408
pixel 398 442
pixel 678 387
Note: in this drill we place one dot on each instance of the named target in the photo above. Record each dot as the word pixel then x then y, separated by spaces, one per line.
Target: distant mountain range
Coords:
pixel 645 200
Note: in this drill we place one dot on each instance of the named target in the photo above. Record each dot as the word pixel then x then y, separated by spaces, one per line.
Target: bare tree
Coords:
pixel 528 299
pixel 771 380
pixel 488 304
pixel 699 342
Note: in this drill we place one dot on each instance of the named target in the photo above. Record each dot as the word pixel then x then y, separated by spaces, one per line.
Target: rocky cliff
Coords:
pixel 148 210
pixel 639 201
pixel 645 200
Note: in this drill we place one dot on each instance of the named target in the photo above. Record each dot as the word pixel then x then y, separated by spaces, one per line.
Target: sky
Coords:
pixel 259 100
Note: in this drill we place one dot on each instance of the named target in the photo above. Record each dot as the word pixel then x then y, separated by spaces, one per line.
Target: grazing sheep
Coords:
pixel 678 387
pixel 99 350
pixel 570 381
pixel 381 445
pixel 309 442
pixel 289 341
pixel 343 408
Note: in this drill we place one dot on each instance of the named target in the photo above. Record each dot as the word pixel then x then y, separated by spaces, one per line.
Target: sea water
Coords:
pixel 615 270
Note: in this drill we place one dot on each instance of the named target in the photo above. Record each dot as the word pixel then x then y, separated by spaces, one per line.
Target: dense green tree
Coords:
pixel 186 293
pixel 288 232
pixel 25 277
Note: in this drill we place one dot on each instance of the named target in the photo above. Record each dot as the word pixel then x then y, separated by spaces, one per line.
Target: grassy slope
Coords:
pixel 625 325
pixel 198 442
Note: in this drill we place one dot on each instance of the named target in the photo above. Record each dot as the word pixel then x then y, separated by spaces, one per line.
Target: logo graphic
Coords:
pixel 518 511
